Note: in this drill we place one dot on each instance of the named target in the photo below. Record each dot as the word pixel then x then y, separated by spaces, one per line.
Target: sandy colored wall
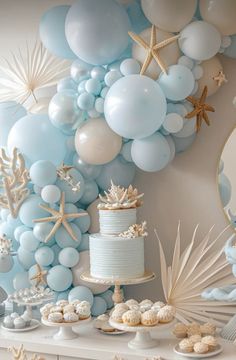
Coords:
pixel 184 191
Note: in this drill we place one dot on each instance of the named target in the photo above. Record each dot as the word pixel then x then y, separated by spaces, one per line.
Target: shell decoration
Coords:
pixel 135 231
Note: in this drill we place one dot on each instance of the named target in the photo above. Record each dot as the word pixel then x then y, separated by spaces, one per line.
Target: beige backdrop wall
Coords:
pixel 184 191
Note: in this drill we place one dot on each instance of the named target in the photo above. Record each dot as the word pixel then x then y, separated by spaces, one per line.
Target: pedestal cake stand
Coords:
pixel 65 331
pixel 118 296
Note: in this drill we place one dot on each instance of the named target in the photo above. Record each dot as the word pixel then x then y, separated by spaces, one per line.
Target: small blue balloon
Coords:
pixel 30 210
pixel 52 32
pixel 51 194
pixel 119 171
pixel 99 105
pixel 87 170
pixel 86 101
pixel 21 281
pixel 104 92
pixel 41 231
pixel 138 20
pixel 25 258
pixel 68 257
pixel 111 77
pixel 126 151
pixel 81 293
pixel 98 73
pixel 231 50
pixel 67 84
pixel 63 295
pixel 84 245
pixel 59 278
pixel 28 241
pixel 90 192
pixel 93 86
pixel 63 239
pixel 182 144
pixel 107 296
pixel 81 87
pixel 13 222
pixel 44 256
pixel 99 306
pixel 43 173
pixel 19 231
pixel 80 70
pixel 83 222
pixel 70 195
pixel 129 67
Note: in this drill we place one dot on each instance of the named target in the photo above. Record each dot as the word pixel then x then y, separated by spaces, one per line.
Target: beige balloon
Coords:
pixel 94 217
pixel 221 13
pixel 210 68
pixel 169 15
pixel 169 54
pixel 96 143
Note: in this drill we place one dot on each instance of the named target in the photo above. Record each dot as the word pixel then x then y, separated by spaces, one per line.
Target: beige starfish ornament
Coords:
pixel 59 217
pixel 220 78
pixel 200 109
pixel 152 49
pixel 39 276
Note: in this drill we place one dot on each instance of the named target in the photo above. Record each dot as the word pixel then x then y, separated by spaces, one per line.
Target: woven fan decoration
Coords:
pixel 32 69
pixel 195 269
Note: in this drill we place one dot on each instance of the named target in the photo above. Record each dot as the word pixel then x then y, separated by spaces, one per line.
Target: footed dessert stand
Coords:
pixel 65 329
pixel 118 295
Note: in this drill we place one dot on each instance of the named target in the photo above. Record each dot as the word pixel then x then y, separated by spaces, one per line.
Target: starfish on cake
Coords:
pixel 153 49
pixel 200 108
pixel 135 231
pixel 59 217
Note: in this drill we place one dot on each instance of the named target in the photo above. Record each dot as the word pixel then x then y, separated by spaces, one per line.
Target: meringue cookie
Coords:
pixel 55 317
pixel 186 345
pixel 200 348
pixel 149 318
pixel 195 338
pixel 208 329
pixel 70 317
pixel 180 330
pixel 131 317
pixel 117 315
pixel 131 302
pixel 211 341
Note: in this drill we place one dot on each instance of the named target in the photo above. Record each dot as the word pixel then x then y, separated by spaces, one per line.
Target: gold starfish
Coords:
pixel 152 48
pixel 200 109
pixel 39 276
pixel 220 78
pixel 59 217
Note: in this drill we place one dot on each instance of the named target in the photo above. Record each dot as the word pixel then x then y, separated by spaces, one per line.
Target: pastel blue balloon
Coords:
pixel 52 32
pixel 111 77
pixel 6 281
pixel 152 153
pixel 44 256
pixel 63 295
pixel 30 210
pixel 37 139
pixel 138 20
pixel 67 84
pixel 177 83
pixel 119 171
pixel 87 170
pixel 80 70
pixel 81 293
pixel 64 112
pixel 7 230
pixel 4 214
pixel 6 263
pixel 231 50
pixel 68 257
pixel 84 245
pixel 130 67
pixel 90 192
pixel 98 73
pixel 99 105
pixel 41 231
pixel 83 222
pixel 56 249
pixel 43 173
pixel 86 101
pixel 225 189
pixel 70 208
pixel 182 144
pixel 135 107
pixel 63 239
pixel 81 87
pixel 19 230
pixel 97 31
pixel 70 195
pixel 51 194
pixel 93 86
pixel 28 241
pixel 25 258
pixel 11 221
pixel 104 92
pixel 107 296
pixel 10 112
pixel 59 278
pixel 126 151
pixel 21 281
pixel 99 306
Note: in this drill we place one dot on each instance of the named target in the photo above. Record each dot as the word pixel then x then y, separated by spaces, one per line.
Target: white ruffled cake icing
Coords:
pixel 116 257
pixel 114 222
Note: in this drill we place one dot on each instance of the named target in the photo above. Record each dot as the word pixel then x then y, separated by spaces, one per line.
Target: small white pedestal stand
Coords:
pixel 65 329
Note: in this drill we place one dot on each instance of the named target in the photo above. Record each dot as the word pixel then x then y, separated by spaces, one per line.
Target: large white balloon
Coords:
pixel 169 15
pixel 200 40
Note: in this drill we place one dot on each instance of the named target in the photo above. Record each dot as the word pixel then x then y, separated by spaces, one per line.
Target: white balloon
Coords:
pixel 41 106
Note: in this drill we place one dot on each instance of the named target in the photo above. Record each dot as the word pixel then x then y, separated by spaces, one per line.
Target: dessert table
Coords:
pixel 92 345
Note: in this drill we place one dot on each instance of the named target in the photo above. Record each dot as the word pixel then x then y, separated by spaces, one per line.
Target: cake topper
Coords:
pixel 135 231
pixel 120 198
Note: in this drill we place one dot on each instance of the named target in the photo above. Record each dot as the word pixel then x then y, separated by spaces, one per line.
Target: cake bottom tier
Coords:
pixel 116 257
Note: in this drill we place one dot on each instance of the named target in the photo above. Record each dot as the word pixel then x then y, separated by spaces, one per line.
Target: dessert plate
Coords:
pixel 98 325
pixel 34 324
pixel 194 355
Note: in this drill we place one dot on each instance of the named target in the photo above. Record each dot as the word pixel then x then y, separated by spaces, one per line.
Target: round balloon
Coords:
pixel 93 139
pixel 231 50
pixel 220 13
pixel 169 54
pixel 211 68
pixel 59 278
pixel 169 15
pixel 152 153
pixel 68 257
pixel 135 107
pixel 43 173
pixel 30 210
pixel 87 170
pixel 200 40
pixel 99 306
pixel 81 293
pixel 37 139
pixel 97 31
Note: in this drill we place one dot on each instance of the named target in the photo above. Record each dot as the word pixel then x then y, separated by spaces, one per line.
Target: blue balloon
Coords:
pixel 119 171
pixel 13 222
pixel 138 20
pixel 44 256
pixel 20 230
pixel 4 214
pixel 28 241
pixel 52 32
pixel 182 144
pixel 43 173
pixel 81 293
pixel 90 192
pixel 99 105
pixel 107 296
pixel 99 306
pixel 87 170
pixel 64 112
pixel 6 263
pixel 135 107
pixel 63 239
pixel 177 83
pixel 84 245
pixel 97 31
pixel 59 278
pixel 98 73
pixel 68 257
pixel 152 153
pixel 86 101
pixel 225 189
pixel 93 86
pixel 7 230
pixel 63 295
pixel 70 195
pixel 111 77
pixel 37 139
pixel 51 194
pixel 126 151
pixel 67 84
pixel 80 70
pixel 30 210
pixel 25 258
pixel 21 281
pixel 83 222
pixel 41 231
pixel 231 50
pixel 129 67
pixel 10 112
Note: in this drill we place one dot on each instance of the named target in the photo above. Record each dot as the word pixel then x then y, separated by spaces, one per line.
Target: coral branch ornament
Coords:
pixel 14 180
pixel 220 78
pixel 63 174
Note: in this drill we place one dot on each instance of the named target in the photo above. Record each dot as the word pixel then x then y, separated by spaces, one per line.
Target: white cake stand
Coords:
pixel 118 296
pixel 143 339
pixel 65 331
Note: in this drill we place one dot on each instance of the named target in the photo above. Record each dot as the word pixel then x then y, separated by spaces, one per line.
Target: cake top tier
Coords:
pixel 118 198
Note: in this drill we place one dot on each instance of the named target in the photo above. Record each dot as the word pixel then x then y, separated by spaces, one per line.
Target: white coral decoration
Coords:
pixel 120 198
pixel 19 354
pixel 14 178
pixel 63 174
pixel 135 231
pixel 5 245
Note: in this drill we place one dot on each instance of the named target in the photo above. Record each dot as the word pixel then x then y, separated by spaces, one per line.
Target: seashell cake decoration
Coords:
pixel 118 198
pixel 135 231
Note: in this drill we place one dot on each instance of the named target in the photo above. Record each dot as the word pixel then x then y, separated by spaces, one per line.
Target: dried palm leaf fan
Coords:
pixel 30 70
pixel 191 272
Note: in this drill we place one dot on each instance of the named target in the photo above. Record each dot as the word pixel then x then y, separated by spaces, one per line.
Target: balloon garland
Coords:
pixel 136 96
